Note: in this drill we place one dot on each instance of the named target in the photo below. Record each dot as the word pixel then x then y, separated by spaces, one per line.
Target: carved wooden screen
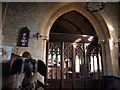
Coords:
pixel 74 60
pixel 68 63
pixel 73 64
pixel 54 61
pixel 79 60
pixel 94 60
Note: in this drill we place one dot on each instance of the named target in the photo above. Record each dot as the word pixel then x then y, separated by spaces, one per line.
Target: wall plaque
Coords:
pixel 23 37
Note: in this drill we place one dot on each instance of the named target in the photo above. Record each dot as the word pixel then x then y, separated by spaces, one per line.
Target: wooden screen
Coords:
pixel 73 64
pixel 54 61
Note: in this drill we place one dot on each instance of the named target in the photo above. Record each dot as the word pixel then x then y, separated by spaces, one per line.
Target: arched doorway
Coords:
pixel 67 60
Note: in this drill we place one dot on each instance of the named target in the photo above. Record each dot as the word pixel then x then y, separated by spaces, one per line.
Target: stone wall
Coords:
pixel 19 15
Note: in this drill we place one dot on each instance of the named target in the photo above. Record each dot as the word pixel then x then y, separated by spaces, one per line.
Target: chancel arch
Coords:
pixel 95 19
pixel 69 59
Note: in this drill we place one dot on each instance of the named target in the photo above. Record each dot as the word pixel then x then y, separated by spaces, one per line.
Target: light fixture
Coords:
pixel 37 35
pixel 95 6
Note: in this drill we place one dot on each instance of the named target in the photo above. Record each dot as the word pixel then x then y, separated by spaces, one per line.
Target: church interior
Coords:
pixel 60 45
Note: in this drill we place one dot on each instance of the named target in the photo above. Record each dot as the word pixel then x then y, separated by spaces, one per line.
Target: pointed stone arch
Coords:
pixel 95 19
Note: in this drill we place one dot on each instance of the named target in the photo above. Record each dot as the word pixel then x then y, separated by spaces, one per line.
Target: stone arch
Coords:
pixel 95 19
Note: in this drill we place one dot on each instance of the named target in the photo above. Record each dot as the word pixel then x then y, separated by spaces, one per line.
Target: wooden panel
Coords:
pixel 54 84
pixel 68 83
pixel 57 37
pixel 79 83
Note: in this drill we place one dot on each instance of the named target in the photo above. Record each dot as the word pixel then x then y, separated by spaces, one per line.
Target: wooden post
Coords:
pixel 62 64
pixel 85 67
pixel 47 54
pixel 73 69
pixel 73 65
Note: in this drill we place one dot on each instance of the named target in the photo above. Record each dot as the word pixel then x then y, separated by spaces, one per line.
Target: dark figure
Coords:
pixel 29 67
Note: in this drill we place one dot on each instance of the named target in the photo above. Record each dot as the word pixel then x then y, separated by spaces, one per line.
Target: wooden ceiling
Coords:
pixel 73 23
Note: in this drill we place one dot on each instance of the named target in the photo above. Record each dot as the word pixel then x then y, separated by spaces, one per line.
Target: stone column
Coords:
pixel 45 39
pixel 108 58
pixel 104 61
pixel 114 55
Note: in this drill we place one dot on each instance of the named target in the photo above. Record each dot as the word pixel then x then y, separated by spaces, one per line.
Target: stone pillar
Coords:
pixel 104 61
pixel 114 55
pixel 45 38
pixel 115 60
pixel 108 58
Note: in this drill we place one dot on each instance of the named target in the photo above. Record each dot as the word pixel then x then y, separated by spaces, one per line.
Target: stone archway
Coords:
pixel 95 19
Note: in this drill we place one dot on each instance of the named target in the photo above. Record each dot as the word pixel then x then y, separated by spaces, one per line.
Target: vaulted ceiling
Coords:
pixel 73 23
